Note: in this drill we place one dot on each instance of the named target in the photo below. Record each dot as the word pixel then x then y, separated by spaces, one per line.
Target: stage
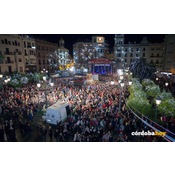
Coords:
pixel 101 66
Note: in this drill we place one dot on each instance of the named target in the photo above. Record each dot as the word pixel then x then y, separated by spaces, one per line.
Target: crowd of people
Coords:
pixel 95 114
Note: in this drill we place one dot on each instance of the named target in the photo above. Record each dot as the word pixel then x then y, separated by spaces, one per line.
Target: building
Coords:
pixel 169 54
pixel 84 51
pixel 11 51
pixel 29 53
pixel 46 56
pixel 124 54
pixel 63 55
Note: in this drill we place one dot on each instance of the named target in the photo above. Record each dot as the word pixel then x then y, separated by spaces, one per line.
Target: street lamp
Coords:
pixel 44 77
pixel 121 77
pixel 45 83
pixel 156 78
pixel 121 84
pixel 166 84
pixel 130 73
pixel 158 101
pixel 130 82
pixel 6 80
pixel 1 75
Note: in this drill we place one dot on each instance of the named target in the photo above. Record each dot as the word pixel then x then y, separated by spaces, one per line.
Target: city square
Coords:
pixel 91 91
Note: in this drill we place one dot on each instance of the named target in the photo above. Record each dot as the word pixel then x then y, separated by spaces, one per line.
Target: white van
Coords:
pixel 57 112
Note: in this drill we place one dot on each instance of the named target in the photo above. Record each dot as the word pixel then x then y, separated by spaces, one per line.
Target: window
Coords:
pixel 144 49
pixel 40 68
pixel 158 55
pixel 43 56
pixel 2 41
pixel 170 50
pixel 133 60
pixel 21 69
pixel 53 50
pixel 94 40
pixel 19 60
pixel 131 55
pixel 13 43
pixel 44 62
pixel 42 48
pixel 46 48
pixel 130 60
pixel 125 54
pixel 137 55
pixel 151 62
pixel 50 49
pixel 39 62
pixel 48 115
pixel 131 49
pixel 5 41
pixel 126 50
pixel 143 54
pixel 157 61
pixel 125 60
pixel 33 44
pixel 171 42
pixel 60 51
pixel 158 48
pixel 18 44
pixel 38 47
pixel 9 43
pixel 152 48
pixel 137 49
pixel 28 44
pixel 152 55
pixel 39 55
pixel 60 56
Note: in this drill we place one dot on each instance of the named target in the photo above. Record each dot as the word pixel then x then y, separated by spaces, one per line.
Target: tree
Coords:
pixel 141 69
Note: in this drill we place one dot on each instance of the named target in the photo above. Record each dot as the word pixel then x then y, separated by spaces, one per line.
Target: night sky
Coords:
pixel 70 39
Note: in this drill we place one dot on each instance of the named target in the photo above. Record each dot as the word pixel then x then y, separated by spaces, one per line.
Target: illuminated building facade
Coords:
pixel 169 54
pixel 124 54
pixel 89 50
pixel 46 55
pixel 11 54
pixel 29 53
pixel 63 54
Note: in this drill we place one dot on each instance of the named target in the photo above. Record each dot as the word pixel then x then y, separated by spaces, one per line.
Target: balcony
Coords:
pixel 8 53
pixel 9 62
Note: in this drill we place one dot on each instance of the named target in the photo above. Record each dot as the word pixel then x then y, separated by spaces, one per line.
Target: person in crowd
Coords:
pixel 50 133
pixel 43 133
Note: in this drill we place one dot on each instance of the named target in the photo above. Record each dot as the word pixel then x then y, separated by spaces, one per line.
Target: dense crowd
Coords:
pixel 95 115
